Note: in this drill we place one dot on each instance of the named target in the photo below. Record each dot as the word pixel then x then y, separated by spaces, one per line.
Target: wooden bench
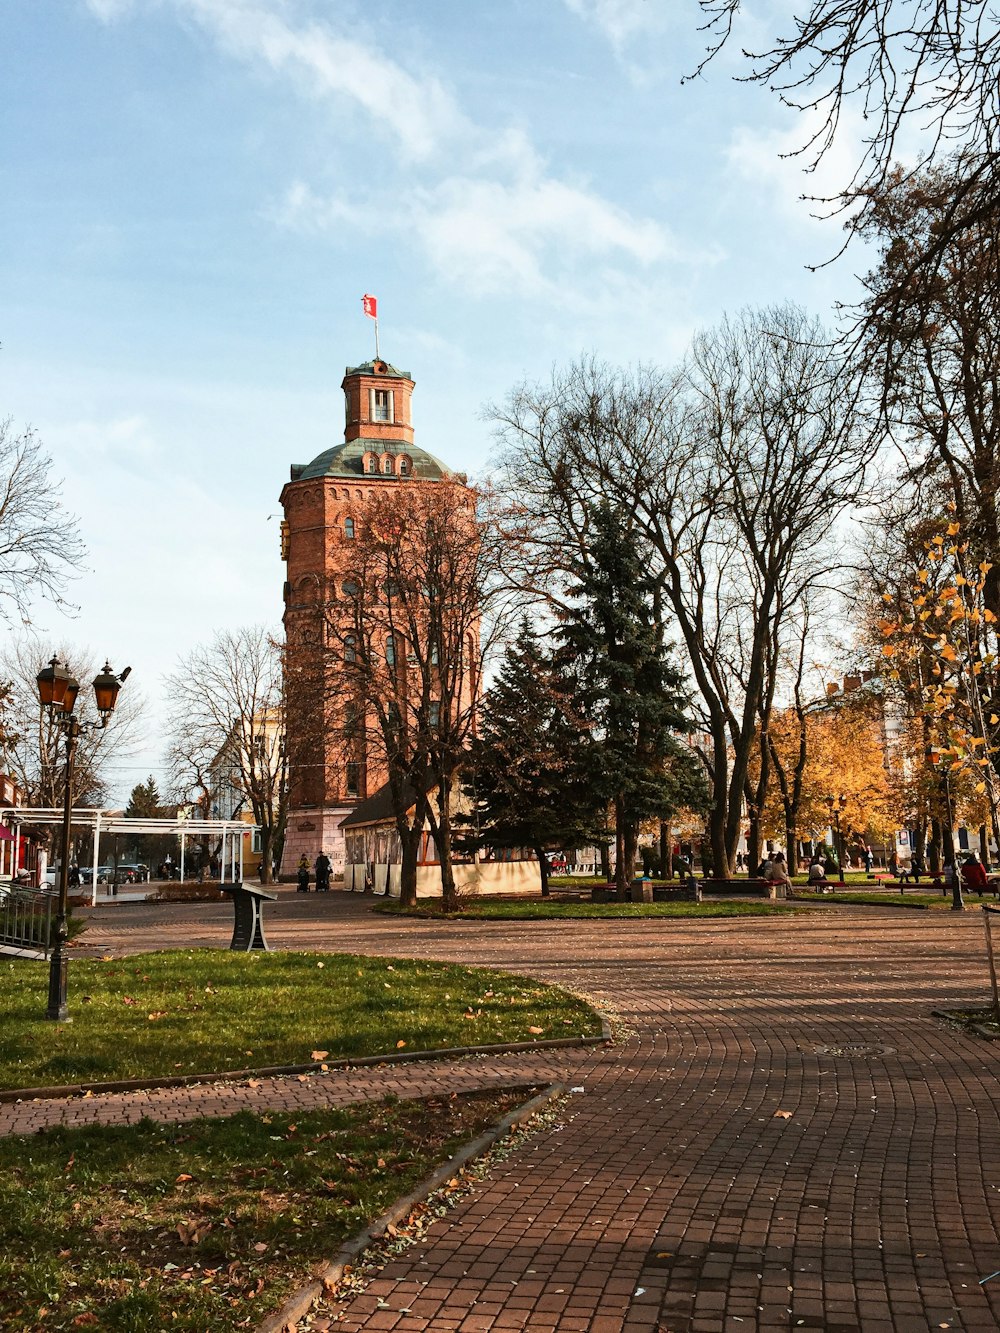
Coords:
pixel 751 887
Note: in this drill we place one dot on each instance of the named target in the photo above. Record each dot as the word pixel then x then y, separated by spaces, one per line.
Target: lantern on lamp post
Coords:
pixel 57 692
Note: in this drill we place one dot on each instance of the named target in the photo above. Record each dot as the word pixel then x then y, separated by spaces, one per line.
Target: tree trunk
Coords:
pixel 934 848
pixel 666 851
pixel 631 850
pixel 621 870
pixel 753 844
pixel 606 862
pixel 449 894
pixel 791 843
pixel 984 846
pixel 409 851
pixel 266 855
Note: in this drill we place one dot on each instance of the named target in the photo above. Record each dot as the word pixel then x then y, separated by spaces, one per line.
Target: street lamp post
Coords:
pixel 57 690
pixel 835 805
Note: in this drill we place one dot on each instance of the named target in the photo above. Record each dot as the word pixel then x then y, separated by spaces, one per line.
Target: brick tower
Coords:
pixel 323 503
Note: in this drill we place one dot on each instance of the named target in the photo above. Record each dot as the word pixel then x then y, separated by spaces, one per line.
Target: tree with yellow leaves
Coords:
pixel 844 755
pixel 941 642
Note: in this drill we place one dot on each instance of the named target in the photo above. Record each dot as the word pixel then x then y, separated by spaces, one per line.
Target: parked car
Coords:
pixel 87 874
pixel 131 873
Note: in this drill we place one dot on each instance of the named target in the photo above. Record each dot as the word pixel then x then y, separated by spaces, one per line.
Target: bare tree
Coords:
pixel 932 64
pixel 736 469
pixel 227 727
pixel 423 607
pixel 31 746
pixel 39 541
pixel 932 347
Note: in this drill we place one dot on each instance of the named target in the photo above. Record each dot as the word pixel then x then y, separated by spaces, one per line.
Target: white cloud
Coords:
pixel 769 160
pixel 621 21
pixel 491 236
pixel 418 112
pixel 506 223
pixel 109 10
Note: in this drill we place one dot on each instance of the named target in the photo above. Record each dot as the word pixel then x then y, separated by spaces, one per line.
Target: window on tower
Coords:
pixel 404 467
pixel 349 529
pixel 353 777
pixel 373 464
pixel 350 649
pixel 387 467
pixel 383 407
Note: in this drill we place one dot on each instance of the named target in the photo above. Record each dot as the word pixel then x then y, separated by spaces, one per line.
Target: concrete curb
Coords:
pixel 301 1301
pixel 951 1016
pixel 314 1067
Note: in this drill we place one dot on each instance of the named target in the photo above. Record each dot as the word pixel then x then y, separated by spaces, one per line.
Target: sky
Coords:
pixel 198 193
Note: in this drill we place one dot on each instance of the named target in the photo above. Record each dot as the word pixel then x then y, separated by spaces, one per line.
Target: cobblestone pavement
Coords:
pixel 670 1195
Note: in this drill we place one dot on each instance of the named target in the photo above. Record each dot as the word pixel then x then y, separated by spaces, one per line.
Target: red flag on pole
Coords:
pixel 370 304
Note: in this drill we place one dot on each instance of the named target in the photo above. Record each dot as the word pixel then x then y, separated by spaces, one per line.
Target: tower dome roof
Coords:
pixel 347 460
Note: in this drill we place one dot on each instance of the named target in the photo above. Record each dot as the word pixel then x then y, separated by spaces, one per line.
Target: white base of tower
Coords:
pixel 309 832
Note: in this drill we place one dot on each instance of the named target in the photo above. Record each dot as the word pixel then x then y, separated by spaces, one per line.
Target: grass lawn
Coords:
pixel 487 909
pixel 208 1224
pixel 202 1011
pixel 920 901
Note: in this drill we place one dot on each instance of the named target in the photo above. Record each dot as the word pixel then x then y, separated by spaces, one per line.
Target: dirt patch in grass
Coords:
pixel 210 1223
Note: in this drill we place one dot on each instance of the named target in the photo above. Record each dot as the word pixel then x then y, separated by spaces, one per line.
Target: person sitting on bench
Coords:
pixel 817 873
pixel 974 874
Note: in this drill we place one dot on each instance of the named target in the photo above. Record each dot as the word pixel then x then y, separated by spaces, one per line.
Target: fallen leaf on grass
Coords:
pixel 400 1045
pixel 157 1013
pixel 536 1031
pixel 182 1178
pixel 320 1055
pixel 127 999
pixel 192 1233
pixel 260 1247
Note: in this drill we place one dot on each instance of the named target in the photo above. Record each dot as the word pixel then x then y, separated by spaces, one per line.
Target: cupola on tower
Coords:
pixel 324 505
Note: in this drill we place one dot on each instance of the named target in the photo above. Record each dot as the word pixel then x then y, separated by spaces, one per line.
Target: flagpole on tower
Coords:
pixel 370 306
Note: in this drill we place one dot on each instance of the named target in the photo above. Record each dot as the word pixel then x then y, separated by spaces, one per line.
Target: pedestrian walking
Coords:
pixel 323 868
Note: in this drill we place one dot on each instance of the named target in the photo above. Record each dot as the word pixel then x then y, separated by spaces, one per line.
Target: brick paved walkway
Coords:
pixel 670 1196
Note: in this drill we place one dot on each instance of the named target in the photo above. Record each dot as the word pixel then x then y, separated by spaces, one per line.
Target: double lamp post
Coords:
pixel 835 806
pixel 57 690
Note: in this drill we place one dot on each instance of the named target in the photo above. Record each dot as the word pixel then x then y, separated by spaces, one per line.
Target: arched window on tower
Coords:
pixel 350 649
pixel 349 529
pixel 387 467
pixel 404 467
pixel 390 650
pixel 372 463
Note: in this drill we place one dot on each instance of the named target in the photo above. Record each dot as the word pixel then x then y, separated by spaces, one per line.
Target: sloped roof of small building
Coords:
pixel 346 460
pixel 379 808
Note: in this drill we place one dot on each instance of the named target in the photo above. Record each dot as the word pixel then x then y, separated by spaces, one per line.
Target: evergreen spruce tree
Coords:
pixel 627 686
pixel 144 802
pixel 535 775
